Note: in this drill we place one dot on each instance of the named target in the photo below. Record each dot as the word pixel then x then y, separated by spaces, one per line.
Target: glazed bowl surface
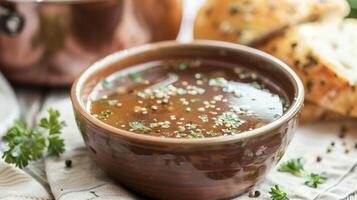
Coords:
pixel 170 168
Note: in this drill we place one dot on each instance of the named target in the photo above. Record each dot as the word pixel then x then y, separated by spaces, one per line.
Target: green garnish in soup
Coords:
pixel 187 99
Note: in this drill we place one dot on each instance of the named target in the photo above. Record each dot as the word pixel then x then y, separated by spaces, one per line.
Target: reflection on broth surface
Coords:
pixel 186 99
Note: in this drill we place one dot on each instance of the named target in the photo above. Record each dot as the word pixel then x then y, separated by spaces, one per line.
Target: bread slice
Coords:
pixel 313 113
pixel 250 21
pixel 325 57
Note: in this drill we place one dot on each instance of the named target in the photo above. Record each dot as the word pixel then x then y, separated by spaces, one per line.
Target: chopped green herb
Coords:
pixel 139 126
pixel 194 100
pixel 220 81
pixel 106 84
pixel 119 78
pixel 181 66
pixel 193 134
pixel 315 179
pixel 211 133
pixel 284 102
pixel 165 126
pixel 293 166
pixel 276 116
pixel 203 118
pixel 153 125
pixel 111 102
pixel 135 76
pixel 277 194
pixel 181 129
pixel 103 115
pixel 256 85
pixel 230 120
pixel 180 91
pixel 191 126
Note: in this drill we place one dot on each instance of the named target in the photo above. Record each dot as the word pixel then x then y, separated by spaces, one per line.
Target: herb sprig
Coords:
pixel 277 194
pixel 315 179
pixel 54 127
pixel 26 144
pixel 296 168
pixel 293 166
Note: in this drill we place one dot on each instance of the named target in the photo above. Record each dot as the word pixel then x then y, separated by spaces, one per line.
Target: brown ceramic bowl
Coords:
pixel 169 168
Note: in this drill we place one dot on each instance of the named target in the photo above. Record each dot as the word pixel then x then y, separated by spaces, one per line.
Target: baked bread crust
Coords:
pixel 330 80
pixel 250 21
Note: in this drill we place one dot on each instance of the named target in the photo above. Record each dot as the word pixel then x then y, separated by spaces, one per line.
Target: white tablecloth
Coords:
pixel 84 180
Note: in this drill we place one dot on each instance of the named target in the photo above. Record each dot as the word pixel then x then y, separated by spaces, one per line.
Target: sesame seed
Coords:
pixel 201 109
pixel 154 108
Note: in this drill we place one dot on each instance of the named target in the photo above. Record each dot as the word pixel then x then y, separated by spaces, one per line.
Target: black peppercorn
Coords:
pixel 68 163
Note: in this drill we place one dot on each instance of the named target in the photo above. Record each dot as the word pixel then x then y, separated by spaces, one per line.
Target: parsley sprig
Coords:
pixel 26 144
pixel 54 126
pixel 296 168
pixel 293 166
pixel 277 194
pixel 315 179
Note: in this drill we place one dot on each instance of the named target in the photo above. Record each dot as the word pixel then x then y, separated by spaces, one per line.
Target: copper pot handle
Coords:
pixel 11 22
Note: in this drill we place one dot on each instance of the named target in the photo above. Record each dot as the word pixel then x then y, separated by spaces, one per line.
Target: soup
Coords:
pixel 187 99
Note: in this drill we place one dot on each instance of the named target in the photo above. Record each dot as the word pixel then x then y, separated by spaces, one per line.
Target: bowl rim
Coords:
pixel 293 110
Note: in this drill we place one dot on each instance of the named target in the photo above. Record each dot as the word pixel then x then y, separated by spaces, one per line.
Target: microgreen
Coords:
pixel 220 81
pixel 103 115
pixel 135 76
pixel 277 194
pixel 139 126
pixel 196 135
pixel 315 179
pixel 293 166
pixel 106 84
pixel 111 102
pixel 256 85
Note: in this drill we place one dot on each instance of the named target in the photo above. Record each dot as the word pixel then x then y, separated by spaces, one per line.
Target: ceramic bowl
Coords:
pixel 170 168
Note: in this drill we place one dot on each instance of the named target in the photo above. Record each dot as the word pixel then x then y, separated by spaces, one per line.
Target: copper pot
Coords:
pixel 50 42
